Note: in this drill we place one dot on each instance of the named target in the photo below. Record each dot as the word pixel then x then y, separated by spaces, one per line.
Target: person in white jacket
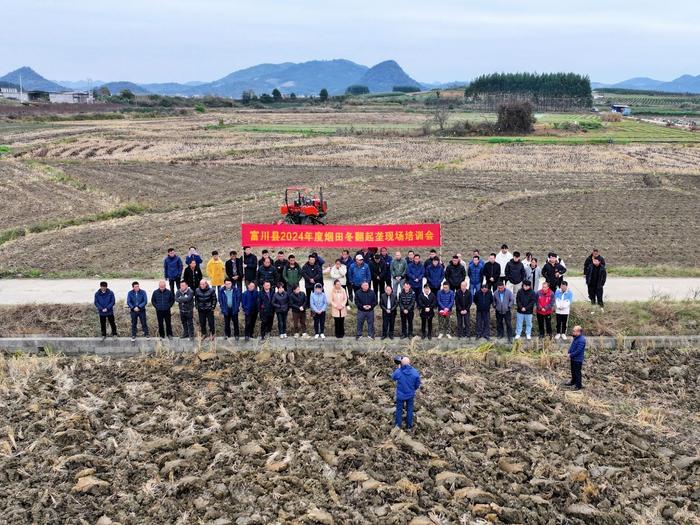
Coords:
pixel 563 299
pixel 502 258
pixel 339 272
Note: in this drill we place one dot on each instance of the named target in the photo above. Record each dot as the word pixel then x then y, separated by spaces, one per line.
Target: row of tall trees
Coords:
pixel 545 91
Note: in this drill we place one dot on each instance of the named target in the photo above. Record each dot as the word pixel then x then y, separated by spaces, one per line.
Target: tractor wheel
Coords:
pixel 289 219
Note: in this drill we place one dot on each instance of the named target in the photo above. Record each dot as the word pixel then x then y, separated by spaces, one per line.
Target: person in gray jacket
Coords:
pixel 184 298
pixel 503 301
pixel 533 273
pixel 398 269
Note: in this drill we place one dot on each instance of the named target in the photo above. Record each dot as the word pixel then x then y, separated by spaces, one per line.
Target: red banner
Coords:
pixel 340 235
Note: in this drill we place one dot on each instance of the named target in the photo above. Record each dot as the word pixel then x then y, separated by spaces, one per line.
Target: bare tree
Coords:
pixel 441 115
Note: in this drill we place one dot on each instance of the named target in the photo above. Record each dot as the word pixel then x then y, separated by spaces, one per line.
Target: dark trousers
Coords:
pixel 339 327
pixel 407 323
pixel 174 284
pixel 250 320
pixel 228 319
pixel 282 322
pixel 388 323
pixel 576 373
pixel 165 325
pixel 595 294
pixel 377 286
pixel 365 316
pixel 400 404
pixel 483 324
pixel 426 326
pixel 544 322
pixel 266 320
pixel 206 317
pixel 319 322
pixel 462 324
pixel 103 325
pixel 139 316
pixel 309 291
pixel 187 321
pixel 299 320
pixel 562 321
pixel 508 320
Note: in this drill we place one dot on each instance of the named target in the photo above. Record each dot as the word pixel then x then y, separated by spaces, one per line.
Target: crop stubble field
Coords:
pixel 189 180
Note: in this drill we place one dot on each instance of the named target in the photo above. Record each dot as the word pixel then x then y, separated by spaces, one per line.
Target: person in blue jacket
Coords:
pixel 445 303
pixel 407 384
pixel 359 273
pixel 104 302
pixel 172 269
pixel 193 255
pixel 577 351
pixel 137 300
pixel 250 304
pixel 415 273
pixel 475 274
pixel 435 274
pixel 230 303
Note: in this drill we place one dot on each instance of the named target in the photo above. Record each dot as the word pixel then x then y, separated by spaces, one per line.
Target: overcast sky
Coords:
pixel 433 40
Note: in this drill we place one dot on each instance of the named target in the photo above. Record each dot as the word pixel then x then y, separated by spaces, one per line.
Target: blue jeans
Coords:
pixel 408 403
pixel 519 318
pixel 474 288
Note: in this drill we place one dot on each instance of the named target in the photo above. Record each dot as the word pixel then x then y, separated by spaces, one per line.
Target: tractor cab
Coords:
pixel 301 206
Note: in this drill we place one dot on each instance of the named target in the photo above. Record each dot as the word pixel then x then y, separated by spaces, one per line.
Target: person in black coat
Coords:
pixel 267 273
pixel 280 302
pixel 205 300
pixel 366 302
pixel 267 309
pixel 589 262
pixel 483 300
pixel 553 271
pixel 388 303
pixel 312 273
pixel 407 305
pixel 595 279
pixel 463 302
pixel 455 273
pixel 297 304
pixel 515 273
pixel 234 269
pixel 491 272
pixel 280 264
pixel 376 269
pixel 426 302
pixel 250 266
pixel 192 275
pixel 163 300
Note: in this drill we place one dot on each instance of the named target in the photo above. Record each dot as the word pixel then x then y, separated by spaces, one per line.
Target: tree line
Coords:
pixel 546 91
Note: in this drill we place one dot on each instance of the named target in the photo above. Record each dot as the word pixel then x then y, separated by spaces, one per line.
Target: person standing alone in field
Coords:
pixel 172 269
pixel 162 300
pixel 563 298
pixel 407 381
pixel 216 270
pixel 576 354
pixel 137 300
pixel 104 302
pixel 184 298
pixel 595 279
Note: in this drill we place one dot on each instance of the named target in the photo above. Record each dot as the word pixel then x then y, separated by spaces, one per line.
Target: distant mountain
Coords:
pixel 116 87
pixel 80 85
pixel 455 84
pixel 682 84
pixel 167 88
pixel 4 84
pixel 31 80
pixel 384 76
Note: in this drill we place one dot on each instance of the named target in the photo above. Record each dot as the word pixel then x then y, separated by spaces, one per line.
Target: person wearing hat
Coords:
pixel 366 302
pixel 525 301
pixel 427 302
pixel 358 273
pixel 104 302
pixel 553 271
pixel 407 384
pixel 483 301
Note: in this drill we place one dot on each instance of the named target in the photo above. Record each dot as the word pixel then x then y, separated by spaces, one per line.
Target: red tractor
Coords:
pixel 302 207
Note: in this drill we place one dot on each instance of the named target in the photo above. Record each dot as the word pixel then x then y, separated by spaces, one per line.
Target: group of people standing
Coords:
pixel 268 289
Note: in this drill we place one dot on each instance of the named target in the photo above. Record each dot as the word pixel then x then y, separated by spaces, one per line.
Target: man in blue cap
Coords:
pixel 407 383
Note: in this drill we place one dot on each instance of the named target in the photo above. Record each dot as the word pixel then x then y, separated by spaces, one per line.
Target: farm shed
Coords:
pixel 72 97
pixel 623 109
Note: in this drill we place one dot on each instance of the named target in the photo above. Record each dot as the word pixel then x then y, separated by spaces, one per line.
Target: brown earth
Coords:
pixel 280 438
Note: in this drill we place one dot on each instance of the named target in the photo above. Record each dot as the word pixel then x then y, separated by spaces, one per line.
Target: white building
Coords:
pixel 72 97
pixel 14 94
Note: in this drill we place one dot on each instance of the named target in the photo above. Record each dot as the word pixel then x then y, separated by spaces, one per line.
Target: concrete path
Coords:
pixel 72 291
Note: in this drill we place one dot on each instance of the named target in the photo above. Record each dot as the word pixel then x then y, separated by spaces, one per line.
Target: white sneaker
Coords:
pixel 517 336
pixel 602 310
pixel 439 336
pixel 449 336
pixel 305 336
pixel 529 337
pixel 557 336
pixel 323 336
pixel 316 336
pixel 281 336
pixel 563 336
pixel 296 335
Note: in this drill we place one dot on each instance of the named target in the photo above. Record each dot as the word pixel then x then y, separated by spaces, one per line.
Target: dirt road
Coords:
pixel 72 291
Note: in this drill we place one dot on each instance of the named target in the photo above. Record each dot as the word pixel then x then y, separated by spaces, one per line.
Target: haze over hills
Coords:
pixel 682 84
